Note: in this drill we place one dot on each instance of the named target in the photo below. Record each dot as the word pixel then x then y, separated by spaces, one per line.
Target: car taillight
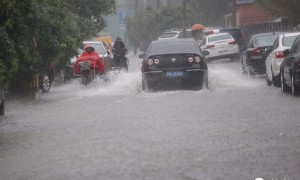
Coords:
pixel 198 59
pixel 191 59
pixel 209 46
pixel 150 62
pixel 255 52
pixel 232 42
pixel 279 54
pixel 156 61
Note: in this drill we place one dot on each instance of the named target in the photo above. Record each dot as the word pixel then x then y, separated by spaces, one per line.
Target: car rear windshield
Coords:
pixel 267 40
pixel 288 41
pixel 174 47
pixel 188 34
pixel 168 35
pixel 221 37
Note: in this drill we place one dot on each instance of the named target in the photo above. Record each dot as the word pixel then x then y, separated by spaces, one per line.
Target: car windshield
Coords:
pixel 288 41
pixel 220 37
pixel 98 47
pixel 267 40
pixel 188 34
pixel 173 47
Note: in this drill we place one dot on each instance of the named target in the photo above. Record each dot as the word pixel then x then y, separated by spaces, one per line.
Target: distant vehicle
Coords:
pixel 220 46
pixel 101 48
pixel 176 61
pixel 255 54
pixel 273 61
pixel 175 34
pixel 2 102
pixel 290 69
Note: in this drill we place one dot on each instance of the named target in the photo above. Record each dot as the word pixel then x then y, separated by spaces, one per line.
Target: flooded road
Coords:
pixel 237 129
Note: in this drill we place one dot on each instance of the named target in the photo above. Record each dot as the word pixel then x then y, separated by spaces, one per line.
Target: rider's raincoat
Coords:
pixel 94 59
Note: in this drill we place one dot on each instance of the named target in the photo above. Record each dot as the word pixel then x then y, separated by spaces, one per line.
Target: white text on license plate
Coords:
pixel 175 74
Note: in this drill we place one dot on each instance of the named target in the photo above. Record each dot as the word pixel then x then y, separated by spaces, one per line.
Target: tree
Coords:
pixel 12 26
pixel 42 32
pixel 289 8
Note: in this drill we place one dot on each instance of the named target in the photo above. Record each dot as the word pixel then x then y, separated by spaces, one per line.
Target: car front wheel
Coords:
pixel 295 88
pixel 45 83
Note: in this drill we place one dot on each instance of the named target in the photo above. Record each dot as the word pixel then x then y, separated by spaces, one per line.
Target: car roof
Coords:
pixel 218 34
pixel 267 34
pixel 92 42
pixel 174 40
pixel 291 34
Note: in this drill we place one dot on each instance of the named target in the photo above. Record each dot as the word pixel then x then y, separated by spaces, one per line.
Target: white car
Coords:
pixel 273 61
pixel 220 46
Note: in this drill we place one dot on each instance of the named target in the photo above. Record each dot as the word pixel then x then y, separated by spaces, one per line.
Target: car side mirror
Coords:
pixel 205 53
pixel 286 52
pixel 142 56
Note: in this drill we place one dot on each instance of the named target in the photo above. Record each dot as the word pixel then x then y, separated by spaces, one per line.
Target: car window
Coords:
pixel 295 45
pixel 174 47
pixel 264 40
pixel 219 37
pixel 298 47
pixel 188 34
pixel 288 41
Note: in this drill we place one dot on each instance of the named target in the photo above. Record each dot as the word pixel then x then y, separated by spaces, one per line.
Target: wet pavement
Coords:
pixel 238 129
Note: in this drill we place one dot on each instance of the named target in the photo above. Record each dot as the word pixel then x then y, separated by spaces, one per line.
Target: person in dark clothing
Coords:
pixel 119 51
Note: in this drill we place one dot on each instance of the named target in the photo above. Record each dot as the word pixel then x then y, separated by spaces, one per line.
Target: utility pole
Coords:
pixel 184 18
pixel 234 13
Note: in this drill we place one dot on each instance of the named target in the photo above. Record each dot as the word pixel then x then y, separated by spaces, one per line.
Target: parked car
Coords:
pixel 176 61
pixel 2 102
pixel 175 34
pixel 255 54
pixel 273 61
pixel 290 69
pixel 220 46
pixel 236 33
pixel 46 78
pixel 100 47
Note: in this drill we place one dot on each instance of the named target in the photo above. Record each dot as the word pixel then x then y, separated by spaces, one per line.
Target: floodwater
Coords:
pixel 237 129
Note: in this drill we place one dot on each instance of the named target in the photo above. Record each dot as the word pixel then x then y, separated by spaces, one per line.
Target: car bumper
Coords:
pixel 223 53
pixel 257 65
pixel 196 76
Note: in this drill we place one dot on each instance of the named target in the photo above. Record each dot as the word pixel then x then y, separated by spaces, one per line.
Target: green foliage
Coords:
pixel 147 26
pixel 39 32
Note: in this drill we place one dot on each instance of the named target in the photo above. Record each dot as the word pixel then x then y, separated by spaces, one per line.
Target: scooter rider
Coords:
pixel 90 53
pixel 119 51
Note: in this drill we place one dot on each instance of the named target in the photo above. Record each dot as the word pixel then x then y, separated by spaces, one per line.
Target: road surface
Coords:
pixel 239 129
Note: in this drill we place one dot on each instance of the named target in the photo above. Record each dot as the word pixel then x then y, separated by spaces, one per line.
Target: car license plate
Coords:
pixel 175 74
